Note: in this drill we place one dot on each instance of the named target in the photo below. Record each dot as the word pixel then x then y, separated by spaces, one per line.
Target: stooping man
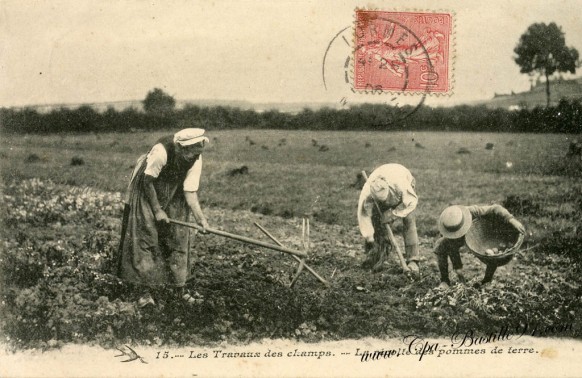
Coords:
pixel 164 185
pixel 453 224
pixel 392 187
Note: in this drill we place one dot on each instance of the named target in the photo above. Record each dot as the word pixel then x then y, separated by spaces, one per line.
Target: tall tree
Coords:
pixel 542 49
pixel 159 102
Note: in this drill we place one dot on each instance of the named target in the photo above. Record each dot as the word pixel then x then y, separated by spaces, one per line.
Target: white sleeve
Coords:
pixel 192 180
pixel 365 207
pixel 156 160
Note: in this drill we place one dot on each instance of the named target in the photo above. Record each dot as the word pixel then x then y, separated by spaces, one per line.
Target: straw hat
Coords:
pixel 187 137
pixel 455 221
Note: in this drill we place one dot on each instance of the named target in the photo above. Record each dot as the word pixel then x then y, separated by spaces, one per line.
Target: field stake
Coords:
pixel 305 241
pixel 243 239
pixel 303 234
pixel 308 235
pixel 309 269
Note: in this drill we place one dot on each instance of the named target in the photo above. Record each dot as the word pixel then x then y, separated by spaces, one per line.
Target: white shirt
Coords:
pixel 157 158
pixel 401 198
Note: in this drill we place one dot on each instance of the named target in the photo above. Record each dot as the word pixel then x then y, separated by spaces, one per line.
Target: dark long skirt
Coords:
pixel 153 253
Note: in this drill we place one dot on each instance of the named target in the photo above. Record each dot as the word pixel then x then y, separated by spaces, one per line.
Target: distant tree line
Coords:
pixel 566 117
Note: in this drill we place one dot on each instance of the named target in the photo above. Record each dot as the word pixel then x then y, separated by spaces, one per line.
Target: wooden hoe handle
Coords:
pixel 243 239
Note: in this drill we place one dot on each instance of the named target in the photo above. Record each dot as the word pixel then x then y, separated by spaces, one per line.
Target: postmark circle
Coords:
pixel 341 39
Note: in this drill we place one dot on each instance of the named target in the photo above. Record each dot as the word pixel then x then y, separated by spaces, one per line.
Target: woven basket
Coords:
pixel 489 232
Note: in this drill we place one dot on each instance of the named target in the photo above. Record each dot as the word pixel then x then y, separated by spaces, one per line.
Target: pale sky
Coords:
pixel 100 51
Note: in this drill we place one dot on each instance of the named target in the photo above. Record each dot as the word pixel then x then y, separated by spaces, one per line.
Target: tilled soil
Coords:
pixel 60 288
pixel 247 295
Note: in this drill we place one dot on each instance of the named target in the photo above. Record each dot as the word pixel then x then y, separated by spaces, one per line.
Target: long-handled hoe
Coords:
pixel 298 255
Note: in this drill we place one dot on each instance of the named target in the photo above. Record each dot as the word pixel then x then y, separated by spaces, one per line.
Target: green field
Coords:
pixel 66 251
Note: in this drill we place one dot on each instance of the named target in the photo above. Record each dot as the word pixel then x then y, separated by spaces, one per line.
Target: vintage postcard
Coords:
pixel 290 189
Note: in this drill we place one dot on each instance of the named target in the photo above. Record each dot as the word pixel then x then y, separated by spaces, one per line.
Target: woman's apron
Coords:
pixel 155 253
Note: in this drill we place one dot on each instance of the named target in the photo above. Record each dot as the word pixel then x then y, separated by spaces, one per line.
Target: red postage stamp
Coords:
pixel 402 51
